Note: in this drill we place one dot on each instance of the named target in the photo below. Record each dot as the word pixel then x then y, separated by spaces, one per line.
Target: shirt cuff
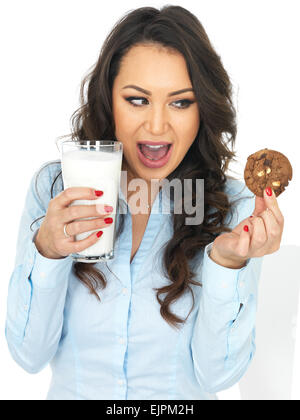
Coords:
pixel 45 272
pixel 222 283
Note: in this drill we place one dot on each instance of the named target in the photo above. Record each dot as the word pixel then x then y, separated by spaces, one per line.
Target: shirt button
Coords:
pixel 121 340
pixel 120 382
pixel 125 291
pixel 242 284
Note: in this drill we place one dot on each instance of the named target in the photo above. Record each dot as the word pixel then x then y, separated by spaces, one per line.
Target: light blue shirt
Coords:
pixel 121 348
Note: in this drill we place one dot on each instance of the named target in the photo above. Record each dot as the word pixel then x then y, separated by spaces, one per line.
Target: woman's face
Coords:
pixel 150 111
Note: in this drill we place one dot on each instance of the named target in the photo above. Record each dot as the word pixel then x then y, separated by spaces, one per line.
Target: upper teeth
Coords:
pixel 156 147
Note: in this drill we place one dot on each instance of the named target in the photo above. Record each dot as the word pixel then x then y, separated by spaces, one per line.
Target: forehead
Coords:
pixel 153 67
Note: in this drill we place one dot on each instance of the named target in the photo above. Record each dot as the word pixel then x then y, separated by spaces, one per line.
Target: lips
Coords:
pixel 154 158
pixel 155 143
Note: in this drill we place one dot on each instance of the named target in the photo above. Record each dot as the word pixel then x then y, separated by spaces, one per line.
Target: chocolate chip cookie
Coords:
pixel 267 168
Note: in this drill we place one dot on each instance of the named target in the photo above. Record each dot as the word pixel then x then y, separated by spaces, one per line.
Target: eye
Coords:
pixel 183 103
pixel 135 100
pixel 140 101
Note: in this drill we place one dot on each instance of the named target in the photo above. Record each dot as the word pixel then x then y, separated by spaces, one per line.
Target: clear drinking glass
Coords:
pixel 95 164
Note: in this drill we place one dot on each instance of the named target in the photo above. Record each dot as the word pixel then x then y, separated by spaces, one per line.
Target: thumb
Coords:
pixel 260 205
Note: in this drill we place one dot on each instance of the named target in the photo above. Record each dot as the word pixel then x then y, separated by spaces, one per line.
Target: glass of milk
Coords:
pixel 95 164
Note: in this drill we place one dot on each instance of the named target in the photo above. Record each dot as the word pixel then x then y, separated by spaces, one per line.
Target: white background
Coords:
pixel 46 49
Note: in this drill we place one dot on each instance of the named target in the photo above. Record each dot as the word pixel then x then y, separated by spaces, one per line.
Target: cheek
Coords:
pixel 126 121
pixel 187 126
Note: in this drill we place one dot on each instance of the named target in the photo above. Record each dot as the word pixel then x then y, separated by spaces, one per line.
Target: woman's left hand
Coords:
pixel 263 236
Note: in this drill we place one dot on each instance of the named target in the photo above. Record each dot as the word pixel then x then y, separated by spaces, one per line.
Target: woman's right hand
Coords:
pixel 51 241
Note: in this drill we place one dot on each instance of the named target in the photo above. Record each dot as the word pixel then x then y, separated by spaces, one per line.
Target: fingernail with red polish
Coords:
pixel 251 217
pixel 98 193
pixel 99 233
pixel 108 209
pixel 268 191
pixel 246 229
pixel 108 220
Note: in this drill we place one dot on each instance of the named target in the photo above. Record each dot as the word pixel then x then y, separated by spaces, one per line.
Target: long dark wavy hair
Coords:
pixel 174 28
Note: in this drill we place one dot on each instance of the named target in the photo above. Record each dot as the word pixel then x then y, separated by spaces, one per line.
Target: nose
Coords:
pixel 157 121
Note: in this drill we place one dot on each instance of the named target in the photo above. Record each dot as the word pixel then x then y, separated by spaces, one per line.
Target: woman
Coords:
pixel 172 316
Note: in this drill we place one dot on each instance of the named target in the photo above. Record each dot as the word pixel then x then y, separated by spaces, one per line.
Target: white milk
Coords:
pixel 101 171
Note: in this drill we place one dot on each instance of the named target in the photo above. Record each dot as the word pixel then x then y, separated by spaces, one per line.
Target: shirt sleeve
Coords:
pixel 37 288
pixel 223 342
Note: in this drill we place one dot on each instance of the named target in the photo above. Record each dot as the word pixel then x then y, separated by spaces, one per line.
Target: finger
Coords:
pixel 239 228
pixel 78 246
pixel 259 234
pixel 82 211
pixel 243 244
pixel 260 205
pixel 273 230
pixel 69 195
pixel 272 204
pixel 85 226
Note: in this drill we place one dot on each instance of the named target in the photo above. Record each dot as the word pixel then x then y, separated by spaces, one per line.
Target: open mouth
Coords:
pixel 154 153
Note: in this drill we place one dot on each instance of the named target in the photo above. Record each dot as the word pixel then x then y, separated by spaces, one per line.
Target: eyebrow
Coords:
pixel 147 92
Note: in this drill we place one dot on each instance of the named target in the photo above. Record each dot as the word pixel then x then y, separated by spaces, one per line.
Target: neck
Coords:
pixel 145 206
